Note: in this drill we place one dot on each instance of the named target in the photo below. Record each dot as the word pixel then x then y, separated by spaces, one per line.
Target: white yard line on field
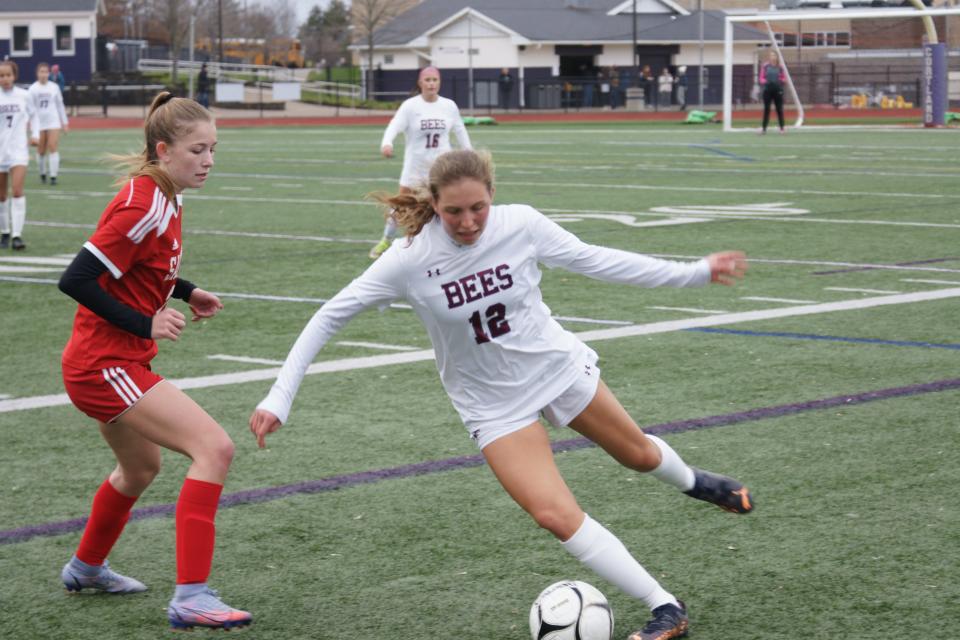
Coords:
pixel 246 359
pixel 921 281
pixel 786 300
pixel 27 269
pixel 688 309
pixel 856 290
pixel 352 364
pixel 376 345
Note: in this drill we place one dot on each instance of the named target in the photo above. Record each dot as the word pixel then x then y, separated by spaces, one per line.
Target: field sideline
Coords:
pixel 827 380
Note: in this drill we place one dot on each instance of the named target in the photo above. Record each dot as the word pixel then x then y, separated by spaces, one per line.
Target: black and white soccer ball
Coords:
pixel 571 610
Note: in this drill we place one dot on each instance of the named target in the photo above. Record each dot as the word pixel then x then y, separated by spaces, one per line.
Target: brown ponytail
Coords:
pixel 169 119
pixel 413 210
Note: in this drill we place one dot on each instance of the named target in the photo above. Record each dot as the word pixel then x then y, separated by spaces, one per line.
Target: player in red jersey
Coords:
pixel 123 278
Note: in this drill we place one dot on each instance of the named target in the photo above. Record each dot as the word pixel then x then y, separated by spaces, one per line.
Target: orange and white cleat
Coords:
pixel 205 609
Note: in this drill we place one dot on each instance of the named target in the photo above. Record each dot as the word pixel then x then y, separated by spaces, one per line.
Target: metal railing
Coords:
pixel 218 69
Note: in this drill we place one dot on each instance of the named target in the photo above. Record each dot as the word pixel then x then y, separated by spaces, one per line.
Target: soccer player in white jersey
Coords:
pixel 52 117
pixel 16 118
pixel 426 121
pixel 470 271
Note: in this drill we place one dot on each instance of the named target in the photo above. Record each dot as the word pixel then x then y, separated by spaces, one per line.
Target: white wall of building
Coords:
pixel 43 28
pixel 713 54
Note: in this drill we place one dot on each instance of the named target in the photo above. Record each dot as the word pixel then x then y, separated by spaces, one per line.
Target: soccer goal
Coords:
pixel 932 83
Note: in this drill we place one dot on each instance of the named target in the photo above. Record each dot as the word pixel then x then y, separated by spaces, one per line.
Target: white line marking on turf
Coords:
pixel 288 185
pixel 591 320
pixel 5 396
pixel 787 300
pixel 270 298
pixel 687 309
pixel 56 261
pixel 376 345
pixel 929 281
pixel 28 280
pixel 236 188
pixel 222 356
pixel 352 364
pixel 17 269
pixel 855 290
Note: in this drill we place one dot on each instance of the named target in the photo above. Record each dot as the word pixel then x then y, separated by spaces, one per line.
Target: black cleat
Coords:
pixel 17 244
pixel 53 181
pixel 43 178
pixel 669 621
pixel 726 493
pixel 4 241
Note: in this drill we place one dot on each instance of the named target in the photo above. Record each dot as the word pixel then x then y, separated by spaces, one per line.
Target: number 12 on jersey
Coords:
pixel 497 325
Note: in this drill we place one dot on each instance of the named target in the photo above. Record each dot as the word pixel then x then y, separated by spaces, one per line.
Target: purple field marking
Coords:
pixel 251 496
pixel 897 264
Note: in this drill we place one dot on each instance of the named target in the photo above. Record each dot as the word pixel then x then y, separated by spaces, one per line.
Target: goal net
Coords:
pixel 844 78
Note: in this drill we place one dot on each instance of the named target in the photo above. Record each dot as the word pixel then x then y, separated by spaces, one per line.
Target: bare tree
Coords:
pixel 176 15
pixel 370 15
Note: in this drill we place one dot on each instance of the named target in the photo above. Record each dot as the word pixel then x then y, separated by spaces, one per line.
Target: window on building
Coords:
pixel 388 58
pixel 21 39
pixel 63 42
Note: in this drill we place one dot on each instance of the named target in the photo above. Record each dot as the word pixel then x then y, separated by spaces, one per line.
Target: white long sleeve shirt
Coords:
pixel 499 352
pixel 426 127
pixel 48 103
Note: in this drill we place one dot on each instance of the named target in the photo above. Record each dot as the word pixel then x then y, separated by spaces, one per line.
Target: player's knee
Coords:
pixel 561 522
pixel 222 452
pixel 136 478
pixel 644 456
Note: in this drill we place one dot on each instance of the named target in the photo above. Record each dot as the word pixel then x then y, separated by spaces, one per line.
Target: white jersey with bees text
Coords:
pixel 500 354
pixel 16 112
pixel 427 127
pixel 48 103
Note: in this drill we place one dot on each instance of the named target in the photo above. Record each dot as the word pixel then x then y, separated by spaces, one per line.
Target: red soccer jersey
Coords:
pixel 138 238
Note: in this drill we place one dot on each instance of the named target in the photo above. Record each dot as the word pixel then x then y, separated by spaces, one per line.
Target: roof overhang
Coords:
pixel 423 39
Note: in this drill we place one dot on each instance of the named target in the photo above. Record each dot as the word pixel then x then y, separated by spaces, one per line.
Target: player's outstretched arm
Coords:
pixel 263 422
pixel 726 267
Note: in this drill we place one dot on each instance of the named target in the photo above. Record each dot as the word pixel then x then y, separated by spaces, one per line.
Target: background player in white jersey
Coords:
pixel 426 121
pixel 470 271
pixel 16 118
pixel 52 117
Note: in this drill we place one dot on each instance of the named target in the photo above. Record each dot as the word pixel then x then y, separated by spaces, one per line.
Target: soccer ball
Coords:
pixel 571 610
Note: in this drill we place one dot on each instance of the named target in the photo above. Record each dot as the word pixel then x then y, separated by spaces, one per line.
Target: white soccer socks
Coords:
pixel 390 228
pixel 18 209
pixel 672 470
pixel 596 547
pixel 4 217
pixel 54 164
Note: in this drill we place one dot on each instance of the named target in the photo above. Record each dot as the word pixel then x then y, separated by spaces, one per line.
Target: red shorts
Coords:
pixel 106 394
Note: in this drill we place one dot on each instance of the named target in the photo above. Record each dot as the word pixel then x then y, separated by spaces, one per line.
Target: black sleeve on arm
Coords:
pixel 79 282
pixel 183 289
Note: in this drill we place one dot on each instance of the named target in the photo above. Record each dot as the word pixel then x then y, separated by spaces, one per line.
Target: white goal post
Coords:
pixel 802 15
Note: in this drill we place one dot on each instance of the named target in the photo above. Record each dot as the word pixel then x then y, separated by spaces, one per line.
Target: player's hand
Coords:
pixel 726 267
pixel 263 422
pixel 66 128
pixel 204 304
pixel 167 324
pixel 387 150
pixel 34 142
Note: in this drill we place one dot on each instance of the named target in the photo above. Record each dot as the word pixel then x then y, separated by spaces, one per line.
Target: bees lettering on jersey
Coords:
pixel 9 108
pixel 432 124
pixel 477 286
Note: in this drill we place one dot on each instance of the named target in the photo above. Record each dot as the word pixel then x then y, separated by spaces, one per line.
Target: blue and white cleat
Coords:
pixel 205 609
pixel 107 580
